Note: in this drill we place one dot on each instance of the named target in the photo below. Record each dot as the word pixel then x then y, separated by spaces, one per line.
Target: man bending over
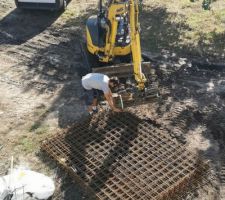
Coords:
pixel 94 84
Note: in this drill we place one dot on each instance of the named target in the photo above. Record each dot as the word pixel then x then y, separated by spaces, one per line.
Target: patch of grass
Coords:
pixel 77 10
pixel 39 128
pixel 220 15
pixel 183 27
pixel 27 144
pixel 40 110
pixel 199 20
pixel 42 130
pixel 70 13
pixel 35 126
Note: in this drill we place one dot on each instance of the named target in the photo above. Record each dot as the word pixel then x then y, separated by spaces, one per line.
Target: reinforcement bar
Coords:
pixel 125 156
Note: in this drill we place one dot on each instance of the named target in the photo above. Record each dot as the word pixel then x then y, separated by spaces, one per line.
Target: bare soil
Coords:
pixel 40 91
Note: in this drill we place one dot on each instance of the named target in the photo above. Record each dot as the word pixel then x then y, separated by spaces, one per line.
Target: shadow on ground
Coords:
pixel 59 66
pixel 21 25
pixel 97 131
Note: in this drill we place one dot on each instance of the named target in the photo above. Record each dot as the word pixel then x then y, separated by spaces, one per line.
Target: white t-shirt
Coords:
pixel 96 81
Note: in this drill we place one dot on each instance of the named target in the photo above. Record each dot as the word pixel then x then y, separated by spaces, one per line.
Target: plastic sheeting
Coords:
pixel 21 183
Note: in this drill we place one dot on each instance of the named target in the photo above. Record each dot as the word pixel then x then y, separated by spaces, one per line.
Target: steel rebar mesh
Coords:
pixel 124 156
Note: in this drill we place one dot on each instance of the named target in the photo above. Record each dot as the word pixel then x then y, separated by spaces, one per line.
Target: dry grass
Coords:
pixel 184 27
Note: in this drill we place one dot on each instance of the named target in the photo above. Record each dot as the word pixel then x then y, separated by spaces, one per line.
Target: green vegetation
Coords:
pixel 26 145
pixel 183 27
pixel 39 128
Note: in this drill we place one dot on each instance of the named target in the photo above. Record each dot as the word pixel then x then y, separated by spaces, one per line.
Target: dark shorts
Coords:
pixel 90 95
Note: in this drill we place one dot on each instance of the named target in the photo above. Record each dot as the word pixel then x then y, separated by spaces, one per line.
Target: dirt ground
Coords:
pixel 40 91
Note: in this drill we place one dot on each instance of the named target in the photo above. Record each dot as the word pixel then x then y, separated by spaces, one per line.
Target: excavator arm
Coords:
pixel 135 44
pixel 117 9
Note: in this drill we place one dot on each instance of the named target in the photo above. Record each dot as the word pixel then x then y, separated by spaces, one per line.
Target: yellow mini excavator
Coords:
pixel 113 39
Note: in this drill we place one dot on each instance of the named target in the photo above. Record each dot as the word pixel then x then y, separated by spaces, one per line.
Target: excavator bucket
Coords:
pixel 123 70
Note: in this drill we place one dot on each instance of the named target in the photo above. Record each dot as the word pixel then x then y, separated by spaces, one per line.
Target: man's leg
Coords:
pixel 95 101
pixel 92 100
pixel 89 100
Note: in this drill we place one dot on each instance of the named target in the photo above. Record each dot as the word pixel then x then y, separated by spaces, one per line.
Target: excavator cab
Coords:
pixel 108 32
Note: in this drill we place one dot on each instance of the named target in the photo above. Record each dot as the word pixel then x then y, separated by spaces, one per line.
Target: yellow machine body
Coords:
pixel 116 51
pixel 114 32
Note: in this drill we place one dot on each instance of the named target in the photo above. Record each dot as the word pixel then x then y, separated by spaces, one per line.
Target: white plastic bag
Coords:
pixel 21 182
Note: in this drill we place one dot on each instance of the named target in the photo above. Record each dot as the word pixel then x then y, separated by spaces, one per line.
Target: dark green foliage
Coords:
pixel 206 4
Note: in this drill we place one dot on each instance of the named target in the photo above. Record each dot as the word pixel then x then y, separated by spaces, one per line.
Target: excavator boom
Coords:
pixel 136 45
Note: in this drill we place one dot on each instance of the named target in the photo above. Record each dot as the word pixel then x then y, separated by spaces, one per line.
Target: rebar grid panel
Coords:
pixel 123 156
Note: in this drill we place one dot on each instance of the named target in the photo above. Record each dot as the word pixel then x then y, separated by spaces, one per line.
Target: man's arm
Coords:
pixel 109 99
